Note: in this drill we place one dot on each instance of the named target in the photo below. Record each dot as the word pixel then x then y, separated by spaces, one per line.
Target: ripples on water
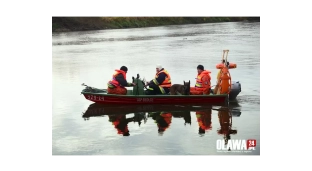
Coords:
pixel 91 56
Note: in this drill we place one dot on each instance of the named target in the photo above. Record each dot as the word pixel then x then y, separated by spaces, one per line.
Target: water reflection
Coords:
pixel 162 115
pixel 204 120
pixel 225 120
pixel 162 119
pixel 121 122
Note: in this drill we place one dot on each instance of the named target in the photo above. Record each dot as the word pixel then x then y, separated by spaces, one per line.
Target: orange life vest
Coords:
pixel 199 81
pixel 114 82
pixel 167 81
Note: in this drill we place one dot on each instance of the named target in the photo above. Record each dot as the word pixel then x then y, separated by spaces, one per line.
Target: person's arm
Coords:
pixel 149 83
pixel 122 81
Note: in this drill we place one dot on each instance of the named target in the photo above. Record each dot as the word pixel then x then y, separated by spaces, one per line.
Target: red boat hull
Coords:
pixel 161 99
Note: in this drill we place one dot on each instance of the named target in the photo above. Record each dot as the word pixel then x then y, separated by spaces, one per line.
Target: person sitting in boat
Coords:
pixel 202 85
pixel 119 82
pixel 204 120
pixel 161 83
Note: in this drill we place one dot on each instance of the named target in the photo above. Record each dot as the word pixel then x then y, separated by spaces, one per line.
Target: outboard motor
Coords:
pixel 235 90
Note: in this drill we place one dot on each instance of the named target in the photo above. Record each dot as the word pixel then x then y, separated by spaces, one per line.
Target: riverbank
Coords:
pixel 63 24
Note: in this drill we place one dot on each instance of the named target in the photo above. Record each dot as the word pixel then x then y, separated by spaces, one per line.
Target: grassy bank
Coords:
pixel 99 23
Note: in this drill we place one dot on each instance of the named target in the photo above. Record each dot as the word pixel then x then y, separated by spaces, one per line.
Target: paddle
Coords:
pixel 83 84
pixel 227 64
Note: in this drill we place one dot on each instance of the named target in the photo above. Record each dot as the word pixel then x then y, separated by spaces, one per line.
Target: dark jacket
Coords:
pixel 122 81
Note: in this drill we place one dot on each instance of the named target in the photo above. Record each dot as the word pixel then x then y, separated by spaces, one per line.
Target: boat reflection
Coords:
pixel 96 109
pixel 162 116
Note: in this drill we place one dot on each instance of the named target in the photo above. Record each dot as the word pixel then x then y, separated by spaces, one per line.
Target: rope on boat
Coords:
pixel 92 89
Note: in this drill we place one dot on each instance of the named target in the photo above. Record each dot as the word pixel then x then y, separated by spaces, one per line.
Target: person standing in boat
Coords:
pixel 224 78
pixel 203 84
pixel 119 82
pixel 161 83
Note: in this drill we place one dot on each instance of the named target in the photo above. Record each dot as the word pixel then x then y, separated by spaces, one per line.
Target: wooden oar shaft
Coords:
pixel 227 52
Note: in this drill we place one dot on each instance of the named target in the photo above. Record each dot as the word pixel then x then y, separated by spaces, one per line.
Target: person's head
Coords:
pixel 158 67
pixel 201 131
pixel 124 68
pixel 160 132
pixel 200 69
pixel 126 134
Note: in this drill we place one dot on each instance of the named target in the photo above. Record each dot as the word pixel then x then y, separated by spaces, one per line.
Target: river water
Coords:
pixel 91 57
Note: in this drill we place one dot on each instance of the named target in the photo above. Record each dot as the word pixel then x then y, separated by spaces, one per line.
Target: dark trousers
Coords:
pixel 156 90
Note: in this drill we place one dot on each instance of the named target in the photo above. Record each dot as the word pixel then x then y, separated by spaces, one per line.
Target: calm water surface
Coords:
pixel 81 128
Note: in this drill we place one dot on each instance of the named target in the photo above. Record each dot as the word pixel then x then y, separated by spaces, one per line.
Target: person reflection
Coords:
pixel 204 120
pixel 225 120
pixel 162 119
pixel 139 117
pixel 121 123
pixel 187 117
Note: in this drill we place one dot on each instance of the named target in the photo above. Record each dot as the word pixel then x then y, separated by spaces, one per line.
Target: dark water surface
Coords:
pixel 82 128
